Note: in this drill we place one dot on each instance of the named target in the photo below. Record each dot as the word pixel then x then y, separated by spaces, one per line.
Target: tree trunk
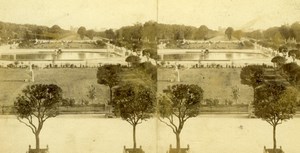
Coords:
pixel 274 137
pixel 110 95
pixel 251 103
pixel 134 138
pixel 253 94
pixel 37 141
pixel 110 99
pixel 178 142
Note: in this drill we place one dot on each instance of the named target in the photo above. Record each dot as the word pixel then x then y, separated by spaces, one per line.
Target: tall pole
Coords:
pixel 157 11
pixel 177 72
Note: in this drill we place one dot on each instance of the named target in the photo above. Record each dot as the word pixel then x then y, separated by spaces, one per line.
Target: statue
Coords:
pixel 31 72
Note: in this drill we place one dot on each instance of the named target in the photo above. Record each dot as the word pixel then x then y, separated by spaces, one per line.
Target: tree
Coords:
pixel 278 60
pixel 291 72
pixel 38 103
pixel 68 102
pixel 109 75
pixel 188 32
pixel 277 39
pixel 238 34
pixel 180 101
pixel 91 94
pixel 178 34
pixel 150 53
pixel 211 102
pixel 285 32
pixel 257 34
pixel 90 34
pixel 55 29
pixel 271 32
pixel 298 46
pixel 283 50
pixel 228 32
pixel 133 60
pixel 110 34
pixel 235 93
pixel 202 32
pixel 81 31
pixel 40 32
pixel 149 69
pixel 295 54
pixel 136 36
pixel 275 103
pixel 290 68
pixel 156 57
pixel 100 44
pixel 295 27
pixel 252 75
pixel 147 53
pixel 134 103
pixel 150 31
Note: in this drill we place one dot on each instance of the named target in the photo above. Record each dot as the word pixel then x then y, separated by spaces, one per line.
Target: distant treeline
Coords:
pixel 274 37
pixel 140 36
pixel 12 32
pixel 147 35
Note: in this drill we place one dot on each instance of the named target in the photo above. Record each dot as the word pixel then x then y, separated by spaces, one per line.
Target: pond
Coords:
pixel 212 56
pixel 205 133
pixel 46 56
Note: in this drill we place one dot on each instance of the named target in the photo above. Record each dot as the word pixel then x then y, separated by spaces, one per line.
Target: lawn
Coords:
pixel 74 82
pixel 217 83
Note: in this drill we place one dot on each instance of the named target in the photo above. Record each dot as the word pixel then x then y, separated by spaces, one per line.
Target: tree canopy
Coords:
pixel 133 60
pixel 283 50
pixel 292 72
pixel 180 101
pixel 109 75
pixel 55 29
pixel 286 32
pixel 81 31
pixel 252 75
pixel 134 103
pixel 202 32
pixel 275 103
pixel 295 54
pixel 38 103
pixel 278 60
pixel 90 34
pixel 229 32
pixel 238 34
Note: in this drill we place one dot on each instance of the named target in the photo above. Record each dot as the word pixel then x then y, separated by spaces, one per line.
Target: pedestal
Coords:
pixel 181 150
pixel 278 150
pixel 41 150
pixel 132 150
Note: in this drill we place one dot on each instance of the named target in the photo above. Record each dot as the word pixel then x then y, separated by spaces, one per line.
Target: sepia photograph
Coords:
pixel 149 76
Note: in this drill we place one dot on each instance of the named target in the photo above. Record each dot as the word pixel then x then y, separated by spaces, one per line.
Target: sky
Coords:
pixel 98 14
